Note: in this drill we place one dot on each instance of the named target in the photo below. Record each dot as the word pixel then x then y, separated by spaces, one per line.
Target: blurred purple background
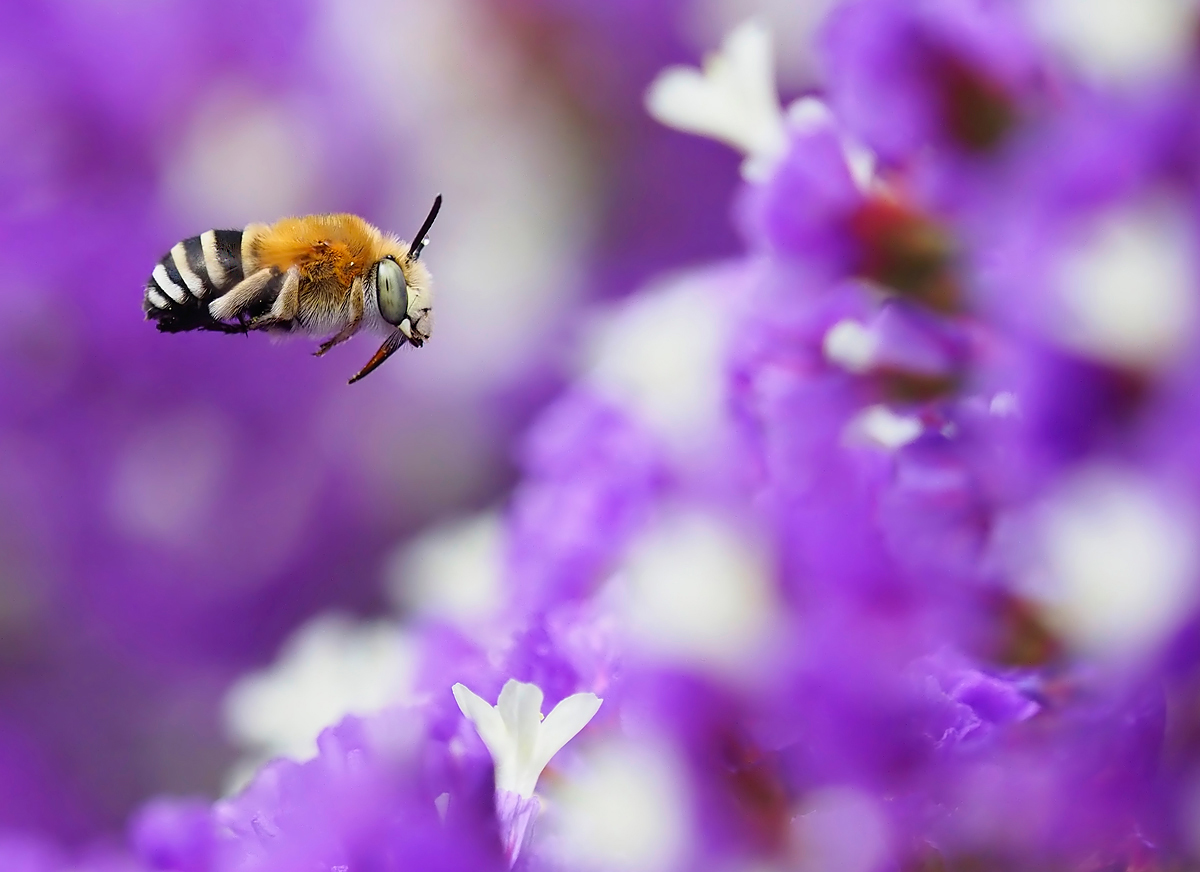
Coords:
pixel 172 507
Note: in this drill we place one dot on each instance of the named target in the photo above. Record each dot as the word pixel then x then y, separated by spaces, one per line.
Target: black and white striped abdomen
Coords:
pixel 189 277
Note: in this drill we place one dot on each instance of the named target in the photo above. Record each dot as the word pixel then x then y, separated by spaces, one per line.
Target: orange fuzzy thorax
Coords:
pixel 324 247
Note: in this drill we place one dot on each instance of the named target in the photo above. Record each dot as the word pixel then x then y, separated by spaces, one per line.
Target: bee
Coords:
pixel 320 275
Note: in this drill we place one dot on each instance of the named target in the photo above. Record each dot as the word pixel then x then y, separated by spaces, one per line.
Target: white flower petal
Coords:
pixel 562 725
pixel 331 667
pixel 1127 292
pixel 452 573
pixel 628 809
pixel 850 345
pixel 734 100
pixel 1118 557
pixel 520 742
pixel 514 696
pixel 681 98
pixel 749 64
pixel 1120 42
pixel 661 355
pixel 861 161
pixel 809 113
pixel 520 705
pixel 879 425
pixel 841 828
pixel 487 720
pixel 700 594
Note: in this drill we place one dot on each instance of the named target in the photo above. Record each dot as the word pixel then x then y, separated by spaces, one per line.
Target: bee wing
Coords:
pixel 395 339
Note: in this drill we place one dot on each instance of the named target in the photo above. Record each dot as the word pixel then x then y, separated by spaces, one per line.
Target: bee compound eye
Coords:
pixel 392 292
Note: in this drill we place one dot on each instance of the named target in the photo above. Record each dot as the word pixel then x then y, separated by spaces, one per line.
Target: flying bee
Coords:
pixel 320 275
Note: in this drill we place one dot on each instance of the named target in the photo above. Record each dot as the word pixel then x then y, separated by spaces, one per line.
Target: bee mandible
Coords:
pixel 319 275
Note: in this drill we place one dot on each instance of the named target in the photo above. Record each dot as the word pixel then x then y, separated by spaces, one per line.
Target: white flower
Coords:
pixel 1121 42
pixel 850 345
pixel 452 572
pixel 1127 290
pixel 627 809
pixel 700 593
pixel 733 100
pixel 520 741
pixel 878 425
pixel 661 355
pixel 330 668
pixel 840 828
pixel 1117 557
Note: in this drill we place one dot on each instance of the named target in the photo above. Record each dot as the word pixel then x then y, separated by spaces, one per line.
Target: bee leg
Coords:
pixel 242 298
pixel 287 305
pixel 356 315
pixel 268 322
pixel 281 317
pixel 337 338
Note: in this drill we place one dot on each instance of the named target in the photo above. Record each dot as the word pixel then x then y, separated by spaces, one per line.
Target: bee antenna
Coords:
pixel 420 240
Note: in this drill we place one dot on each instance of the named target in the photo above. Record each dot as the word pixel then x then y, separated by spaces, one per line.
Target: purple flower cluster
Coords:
pixel 876 548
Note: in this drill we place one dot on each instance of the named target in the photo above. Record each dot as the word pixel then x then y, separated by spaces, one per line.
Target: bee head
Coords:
pixel 399 286
pixel 404 297
pixel 402 287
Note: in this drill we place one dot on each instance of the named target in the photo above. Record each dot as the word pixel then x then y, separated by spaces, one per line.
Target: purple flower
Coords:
pixel 360 802
pixel 970 706
pixel 807 204
pixel 591 474
pixel 174 835
pixel 951 73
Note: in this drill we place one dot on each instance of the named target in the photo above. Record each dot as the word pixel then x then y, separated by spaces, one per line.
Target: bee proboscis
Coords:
pixel 320 275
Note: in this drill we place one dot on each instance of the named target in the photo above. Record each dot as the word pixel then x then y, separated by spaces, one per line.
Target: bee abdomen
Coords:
pixel 189 277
